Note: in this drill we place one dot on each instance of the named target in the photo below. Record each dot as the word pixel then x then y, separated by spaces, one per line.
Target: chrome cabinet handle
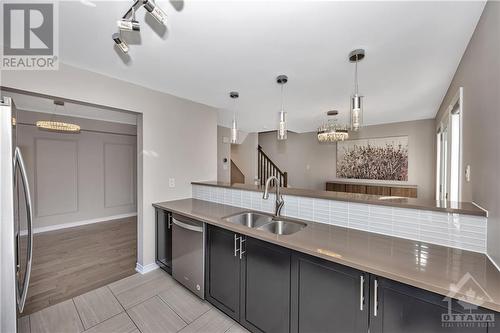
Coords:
pixel 361 291
pixel 375 297
pixel 242 239
pixel 169 223
pixel 235 244
pixel 19 161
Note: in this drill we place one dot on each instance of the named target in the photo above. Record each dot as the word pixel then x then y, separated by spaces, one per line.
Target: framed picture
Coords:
pixel 379 158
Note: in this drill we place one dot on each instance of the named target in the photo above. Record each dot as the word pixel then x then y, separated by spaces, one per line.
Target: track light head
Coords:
pixel 128 25
pixel 120 42
pixel 155 10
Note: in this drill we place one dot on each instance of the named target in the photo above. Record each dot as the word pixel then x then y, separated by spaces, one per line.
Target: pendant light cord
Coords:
pixel 282 106
pixel 356 76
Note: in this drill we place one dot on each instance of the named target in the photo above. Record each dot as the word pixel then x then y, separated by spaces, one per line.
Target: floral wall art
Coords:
pixel 380 159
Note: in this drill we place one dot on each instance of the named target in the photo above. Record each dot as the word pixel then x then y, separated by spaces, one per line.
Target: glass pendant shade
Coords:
pixel 234 132
pixel 282 130
pixel 356 112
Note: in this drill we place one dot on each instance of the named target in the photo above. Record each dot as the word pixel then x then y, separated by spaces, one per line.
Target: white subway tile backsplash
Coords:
pixel 457 230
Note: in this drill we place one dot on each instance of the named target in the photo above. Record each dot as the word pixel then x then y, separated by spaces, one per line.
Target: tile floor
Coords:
pixel 148 303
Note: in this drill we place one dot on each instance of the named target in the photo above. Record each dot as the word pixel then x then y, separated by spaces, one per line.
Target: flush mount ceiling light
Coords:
pixel 282 130
pixel 234 127
pixel 129 23
pixel 57 126
pixel 356 100
pixel 331 131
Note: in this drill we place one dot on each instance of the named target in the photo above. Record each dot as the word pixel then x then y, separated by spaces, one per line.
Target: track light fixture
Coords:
pixel 155 11
pixel 129 23
pixel 120 42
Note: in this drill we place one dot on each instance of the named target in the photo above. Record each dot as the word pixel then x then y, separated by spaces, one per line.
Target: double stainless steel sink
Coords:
pixel 260 221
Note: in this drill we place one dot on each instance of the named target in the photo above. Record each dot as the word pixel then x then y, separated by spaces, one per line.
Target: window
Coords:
pixel 449 153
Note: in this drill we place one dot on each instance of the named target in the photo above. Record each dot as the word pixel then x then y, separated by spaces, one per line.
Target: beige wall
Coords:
pixel 223 151
pixel 79 177
pixel 244 155
pixel 479 75
pixel 165 147
pixel 310 164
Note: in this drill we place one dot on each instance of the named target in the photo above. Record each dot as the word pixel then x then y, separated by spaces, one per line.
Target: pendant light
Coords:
pixel 282 130
pixel 356 100
pixel 57 126
pixel 331 131
pixel 234 127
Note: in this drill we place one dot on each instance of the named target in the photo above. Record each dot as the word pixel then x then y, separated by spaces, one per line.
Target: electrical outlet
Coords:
pixel 171 182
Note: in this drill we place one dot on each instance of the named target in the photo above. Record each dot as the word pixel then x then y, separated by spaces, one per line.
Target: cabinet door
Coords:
pixel 222 285
pixel 327 297
pixel 164 239
pixel 265 287
pixel 402 308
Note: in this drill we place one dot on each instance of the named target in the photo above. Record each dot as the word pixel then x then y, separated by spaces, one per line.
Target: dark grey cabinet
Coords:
pixel 222 275
pixel 163 239
pixel 265 286
pixel 397 307
pixel 327 297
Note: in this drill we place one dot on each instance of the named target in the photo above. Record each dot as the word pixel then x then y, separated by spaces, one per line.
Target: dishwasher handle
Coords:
pixel 187 226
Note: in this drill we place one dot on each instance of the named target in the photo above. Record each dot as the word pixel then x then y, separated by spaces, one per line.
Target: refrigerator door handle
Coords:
pixel 21 294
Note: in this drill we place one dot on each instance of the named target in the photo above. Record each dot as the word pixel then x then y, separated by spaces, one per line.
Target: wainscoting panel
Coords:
pixel 118 174
pixel 57 190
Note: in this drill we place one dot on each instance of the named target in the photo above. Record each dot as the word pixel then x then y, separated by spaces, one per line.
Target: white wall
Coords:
pixel 223 152
pixel 166 149
pixel 79 177
pixel 244 155
pixel 310 164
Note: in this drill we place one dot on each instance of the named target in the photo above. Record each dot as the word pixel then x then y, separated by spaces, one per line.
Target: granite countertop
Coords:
pixel 435 205
pixel 353 182
pixel 431 267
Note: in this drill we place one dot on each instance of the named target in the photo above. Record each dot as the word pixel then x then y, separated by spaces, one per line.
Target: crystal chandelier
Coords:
pixel 57 126
pixel 331 131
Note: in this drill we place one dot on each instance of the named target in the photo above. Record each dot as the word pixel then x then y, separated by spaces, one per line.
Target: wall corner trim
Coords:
pixel 146 268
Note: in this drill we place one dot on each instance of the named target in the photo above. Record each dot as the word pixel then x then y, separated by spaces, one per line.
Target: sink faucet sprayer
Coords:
pixel 279 199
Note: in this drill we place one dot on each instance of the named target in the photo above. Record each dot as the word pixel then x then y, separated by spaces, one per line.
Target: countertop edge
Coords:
pixel 398 278
pixel 329 195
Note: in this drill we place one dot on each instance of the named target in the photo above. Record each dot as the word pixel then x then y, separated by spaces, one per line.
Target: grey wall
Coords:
pixel 79 177
pixel 165 148
pixel 310 164
pixel 479 75
pixel 244 155
pixel 223 151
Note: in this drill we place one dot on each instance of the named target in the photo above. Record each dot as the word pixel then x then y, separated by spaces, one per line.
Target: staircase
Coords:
pixel 267 168
pixel 237 177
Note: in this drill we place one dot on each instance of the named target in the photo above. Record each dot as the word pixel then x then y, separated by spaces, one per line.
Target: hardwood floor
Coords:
pixel 73 261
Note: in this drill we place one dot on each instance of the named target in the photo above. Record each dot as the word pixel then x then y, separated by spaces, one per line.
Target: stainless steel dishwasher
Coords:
pixel 188 253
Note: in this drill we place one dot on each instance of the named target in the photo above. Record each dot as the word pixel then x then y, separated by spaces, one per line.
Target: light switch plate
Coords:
pixel 467 173
pixel 225 139
pixel 171 182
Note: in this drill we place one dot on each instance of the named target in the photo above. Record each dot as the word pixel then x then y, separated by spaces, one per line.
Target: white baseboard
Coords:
pixel 146 269
pixel 77 223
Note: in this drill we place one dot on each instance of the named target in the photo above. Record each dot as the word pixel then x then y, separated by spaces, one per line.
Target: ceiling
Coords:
pixel 46 105
pixel 212 47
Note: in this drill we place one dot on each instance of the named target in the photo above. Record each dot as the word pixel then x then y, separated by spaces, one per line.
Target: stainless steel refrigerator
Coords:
pixel 16 229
